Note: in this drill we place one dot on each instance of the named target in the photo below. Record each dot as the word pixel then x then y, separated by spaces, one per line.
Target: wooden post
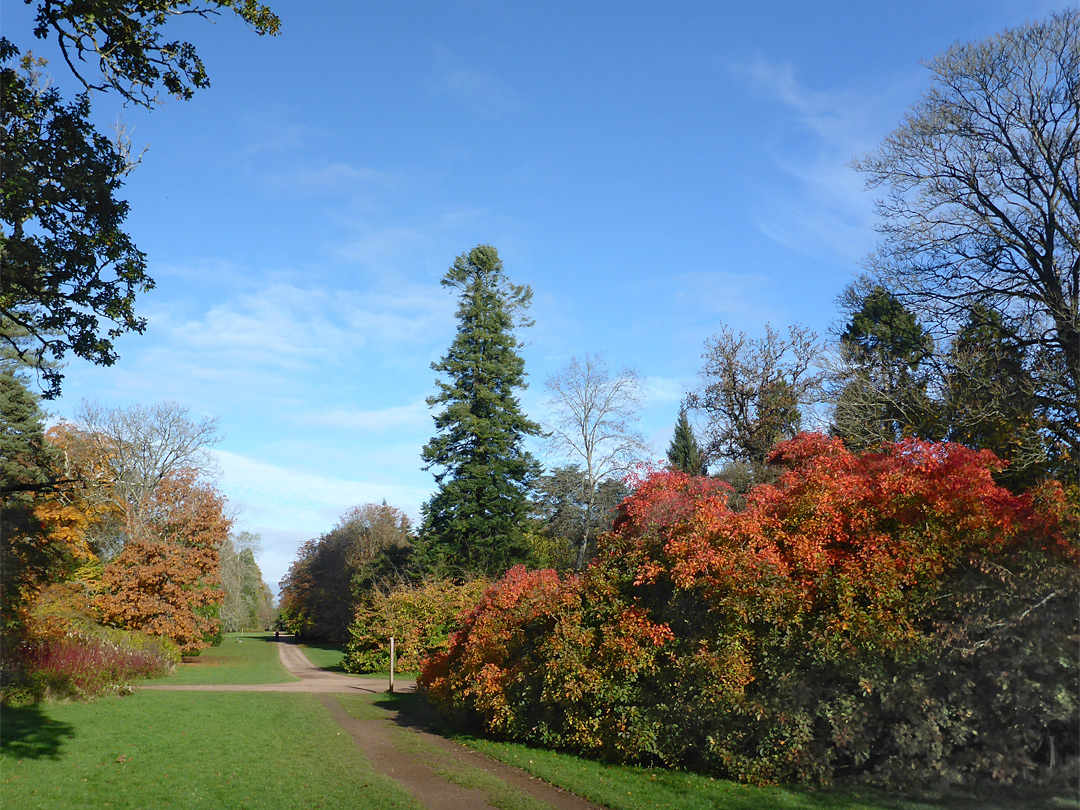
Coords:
pixel 391 663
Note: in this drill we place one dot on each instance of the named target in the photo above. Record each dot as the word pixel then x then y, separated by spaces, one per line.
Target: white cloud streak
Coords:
pixel 477 89
pixel 830 214
pixel 283 504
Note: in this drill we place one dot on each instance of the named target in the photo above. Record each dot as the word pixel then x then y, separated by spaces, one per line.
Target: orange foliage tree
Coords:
pixel 166 580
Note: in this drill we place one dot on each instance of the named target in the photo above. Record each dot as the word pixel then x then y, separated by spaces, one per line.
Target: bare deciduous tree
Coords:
pixel 592 423
pixel 982 205
pixel 125 453
pixel 754 392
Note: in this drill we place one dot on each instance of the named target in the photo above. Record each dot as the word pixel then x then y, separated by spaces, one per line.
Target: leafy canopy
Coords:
pixel 71 271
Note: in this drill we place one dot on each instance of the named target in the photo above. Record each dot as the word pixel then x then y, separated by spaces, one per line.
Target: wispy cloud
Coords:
pixel 332 177
pixel 400 417
pixel 282 325
pixel 665 390
pixel 829 213
pixel 430 240
pixel 288 325
pixel 742 300
pixel 254 346
pixel 833 116
pixel 272 131
pixel 477 89
pixel 295 499
pixel 284 504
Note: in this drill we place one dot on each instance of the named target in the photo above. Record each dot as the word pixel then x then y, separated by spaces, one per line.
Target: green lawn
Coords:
pixel 276 751
pixel 241 658
pixel 186 750
pixel 621 787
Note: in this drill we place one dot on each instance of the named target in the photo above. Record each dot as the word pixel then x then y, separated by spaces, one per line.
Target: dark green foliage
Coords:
pixel 881 393
pixel 318 593
pixel 68 265
pixel 24 467
pixel 24 455
pixel 755 390
pixel 896 618
pixel 117 44
pixel 475 522
pixel 70 272
pixel 684 452
pixel 991 401
pixel 392 566
pixel 979 206
pixel 319 587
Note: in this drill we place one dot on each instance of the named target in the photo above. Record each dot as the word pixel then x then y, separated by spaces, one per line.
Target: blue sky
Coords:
pixel 652 170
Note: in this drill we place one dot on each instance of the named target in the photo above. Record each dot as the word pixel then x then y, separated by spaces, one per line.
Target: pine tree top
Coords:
pixel 684 452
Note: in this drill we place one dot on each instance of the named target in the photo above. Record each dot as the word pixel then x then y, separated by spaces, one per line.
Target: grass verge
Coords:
pixel 241 658
pixel 172 749
pixel 624 787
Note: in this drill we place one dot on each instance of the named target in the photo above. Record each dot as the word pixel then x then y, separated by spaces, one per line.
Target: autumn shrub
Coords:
pixel 561 662
pixel 66 653
pixel 83 665
pixel 893 617
pixel 420 618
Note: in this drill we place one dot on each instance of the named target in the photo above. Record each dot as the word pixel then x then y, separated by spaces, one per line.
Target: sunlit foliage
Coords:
pixel 892 616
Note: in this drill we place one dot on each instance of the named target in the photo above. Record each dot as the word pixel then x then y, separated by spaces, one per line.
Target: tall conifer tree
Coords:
pixel 881 392
pixel 684 452
pixel 474 523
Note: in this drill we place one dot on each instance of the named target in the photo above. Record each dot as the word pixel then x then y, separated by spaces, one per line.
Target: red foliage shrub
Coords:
pixel 66 653
pixel 894 615
pixel 85 666
pixel 558 661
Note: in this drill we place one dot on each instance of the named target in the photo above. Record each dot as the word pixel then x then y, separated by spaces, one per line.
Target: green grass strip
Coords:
pixel 241 658
pixel 183 750
pixel 331 657
pixel 626 787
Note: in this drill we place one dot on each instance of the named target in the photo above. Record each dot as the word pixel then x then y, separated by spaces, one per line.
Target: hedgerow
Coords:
pixel 893 617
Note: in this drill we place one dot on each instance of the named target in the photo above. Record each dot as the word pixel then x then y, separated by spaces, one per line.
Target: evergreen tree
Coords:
pixel 27 559
pixel 684 452
pixel 881 394
pixel 475 523
pixel 568 518
pixel 991 400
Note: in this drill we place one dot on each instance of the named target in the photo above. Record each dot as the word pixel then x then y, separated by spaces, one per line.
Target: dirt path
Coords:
pixel 312 679
pixel 441 774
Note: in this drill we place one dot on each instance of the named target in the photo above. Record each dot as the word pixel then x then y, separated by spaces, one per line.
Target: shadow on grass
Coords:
pixel 262 636
pixel 333 648
pixel 27 733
